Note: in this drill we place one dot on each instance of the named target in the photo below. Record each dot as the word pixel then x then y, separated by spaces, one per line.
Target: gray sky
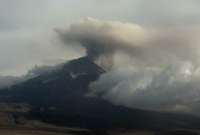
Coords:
pixel 27 34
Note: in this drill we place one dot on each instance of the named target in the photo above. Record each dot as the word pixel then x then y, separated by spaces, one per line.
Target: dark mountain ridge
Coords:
pixel 60 97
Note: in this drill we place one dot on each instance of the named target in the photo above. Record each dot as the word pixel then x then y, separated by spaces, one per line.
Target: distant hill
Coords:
pixel 60 97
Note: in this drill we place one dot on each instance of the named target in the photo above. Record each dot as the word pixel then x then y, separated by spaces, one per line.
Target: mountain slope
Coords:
pixel 60 97
pixel 51 87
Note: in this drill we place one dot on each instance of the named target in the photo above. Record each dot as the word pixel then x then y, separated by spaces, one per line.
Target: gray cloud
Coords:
pixel 153 68
pixel 162 12
pixel 152 88
pixel 147 45
pixel 101 38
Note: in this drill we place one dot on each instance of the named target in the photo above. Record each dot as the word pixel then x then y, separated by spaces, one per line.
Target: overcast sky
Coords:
pixel 27 34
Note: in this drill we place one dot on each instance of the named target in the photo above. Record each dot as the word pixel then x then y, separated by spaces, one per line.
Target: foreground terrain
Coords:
pixel 28 131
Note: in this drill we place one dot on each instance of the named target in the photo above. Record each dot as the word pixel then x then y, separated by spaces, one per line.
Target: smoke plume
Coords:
pixel 101 39
pixel 152 68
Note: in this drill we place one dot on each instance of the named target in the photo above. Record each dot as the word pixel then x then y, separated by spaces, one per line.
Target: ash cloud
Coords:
pixel 146 45
pixel 101 39
pixel 152 68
